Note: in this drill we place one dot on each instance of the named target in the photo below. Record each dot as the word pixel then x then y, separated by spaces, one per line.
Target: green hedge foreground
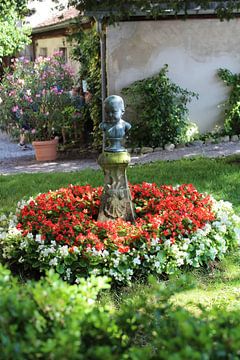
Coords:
pixel 50 319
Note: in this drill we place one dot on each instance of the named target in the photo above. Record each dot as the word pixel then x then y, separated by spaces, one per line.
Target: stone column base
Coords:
pixel 116 199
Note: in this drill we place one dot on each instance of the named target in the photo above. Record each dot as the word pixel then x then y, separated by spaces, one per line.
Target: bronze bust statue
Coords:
pixel 114 127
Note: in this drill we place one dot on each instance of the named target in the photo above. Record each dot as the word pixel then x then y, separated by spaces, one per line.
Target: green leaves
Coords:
pixel 160 110
pixel 13 37
pixel 232 105
pixel 117 9
pixel 87 51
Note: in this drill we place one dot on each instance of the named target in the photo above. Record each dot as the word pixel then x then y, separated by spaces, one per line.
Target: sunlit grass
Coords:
pixel 219 286
pixel 220 177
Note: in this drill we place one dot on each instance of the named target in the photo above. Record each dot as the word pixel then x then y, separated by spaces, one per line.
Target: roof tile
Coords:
pixel 62 16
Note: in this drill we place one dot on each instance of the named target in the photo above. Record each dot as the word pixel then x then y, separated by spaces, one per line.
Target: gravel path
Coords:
pixel 13 160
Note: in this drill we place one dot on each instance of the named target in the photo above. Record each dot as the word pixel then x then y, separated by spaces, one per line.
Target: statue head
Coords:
pixel 114 108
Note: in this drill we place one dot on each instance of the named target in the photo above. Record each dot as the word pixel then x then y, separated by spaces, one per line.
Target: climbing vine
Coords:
pixel 87 52
pixel 232 105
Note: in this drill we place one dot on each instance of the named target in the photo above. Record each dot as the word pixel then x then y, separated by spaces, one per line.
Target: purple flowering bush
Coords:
pixel 34 97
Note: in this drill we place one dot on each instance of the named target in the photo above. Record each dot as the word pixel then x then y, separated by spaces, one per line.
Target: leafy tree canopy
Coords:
pixel 119 8
pixel 13 34
pixel 19 6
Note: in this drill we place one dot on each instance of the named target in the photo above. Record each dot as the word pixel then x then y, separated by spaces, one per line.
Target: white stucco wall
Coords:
pixel 194 49
pixel 53 44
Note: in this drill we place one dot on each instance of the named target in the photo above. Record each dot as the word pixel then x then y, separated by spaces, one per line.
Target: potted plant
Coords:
pixel 34 98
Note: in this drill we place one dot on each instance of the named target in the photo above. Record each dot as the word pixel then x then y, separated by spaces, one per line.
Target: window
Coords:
pixel 64 53
pixel 43 52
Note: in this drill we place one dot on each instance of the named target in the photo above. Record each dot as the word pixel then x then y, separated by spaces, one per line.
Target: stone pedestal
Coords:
pixel 116 199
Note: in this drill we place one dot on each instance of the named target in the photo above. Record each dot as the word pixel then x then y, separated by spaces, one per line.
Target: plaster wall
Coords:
pixel 194 49
pixel 53 44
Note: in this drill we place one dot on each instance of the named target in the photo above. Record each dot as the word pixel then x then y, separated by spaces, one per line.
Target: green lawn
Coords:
pixel 220 177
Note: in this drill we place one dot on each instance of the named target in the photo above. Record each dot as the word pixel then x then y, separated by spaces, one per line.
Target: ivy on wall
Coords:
pixel 232 105
pixel 87 52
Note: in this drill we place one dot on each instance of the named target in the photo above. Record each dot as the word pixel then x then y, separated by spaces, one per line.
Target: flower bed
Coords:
pixel 174 227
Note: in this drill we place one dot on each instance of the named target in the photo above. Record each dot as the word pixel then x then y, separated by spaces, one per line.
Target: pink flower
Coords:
pixel 15 108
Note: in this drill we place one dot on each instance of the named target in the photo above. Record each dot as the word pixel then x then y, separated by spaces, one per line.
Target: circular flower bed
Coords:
pixel 174 227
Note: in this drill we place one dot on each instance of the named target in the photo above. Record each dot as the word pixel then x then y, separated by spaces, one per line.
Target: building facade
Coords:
pixel 194 50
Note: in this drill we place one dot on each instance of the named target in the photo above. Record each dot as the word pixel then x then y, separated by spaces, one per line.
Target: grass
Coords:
pixel 216 287
pixel 220 177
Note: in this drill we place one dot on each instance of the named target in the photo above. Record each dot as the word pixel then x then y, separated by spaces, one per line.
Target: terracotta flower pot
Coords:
pixel 45 150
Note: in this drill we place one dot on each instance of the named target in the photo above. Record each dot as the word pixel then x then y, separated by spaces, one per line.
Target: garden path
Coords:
pixel 14 160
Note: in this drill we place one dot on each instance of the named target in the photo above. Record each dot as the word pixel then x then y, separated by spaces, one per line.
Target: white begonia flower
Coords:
pixel 218 238
pixel 39 238
pixel 95 272
pixel 64 250
pixel 236 218
pixel 223 228
pixel 68 273
pixel 23 244
pixel 129 272
pixel 198 252
pixel 105 253
pixel 45 252
pixel 137 261
pixel 52 250
pixel 96 252
pixel 29 236
pixel 185 246
pixel 175 248
pixel 111 272
pixel 207 229
pixel 14 231
pixel 180 261
pixel 115 262
pixel 53 262
pixel 213 252
pixel 167 243
pixel 154 242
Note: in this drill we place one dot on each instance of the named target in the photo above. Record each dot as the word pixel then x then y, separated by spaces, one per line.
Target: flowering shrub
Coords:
pixel 174 227
pixel 35 95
